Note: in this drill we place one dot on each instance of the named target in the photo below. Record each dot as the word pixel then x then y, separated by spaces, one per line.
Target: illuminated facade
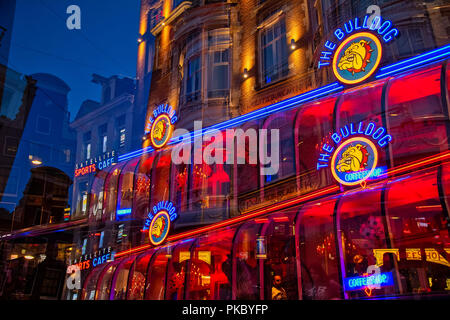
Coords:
pixel 358 95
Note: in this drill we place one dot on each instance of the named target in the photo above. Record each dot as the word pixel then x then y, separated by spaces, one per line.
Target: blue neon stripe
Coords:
pixel 267 110
pixel 415 61
pixel 421 56
pixel 397 67
pixel 334 87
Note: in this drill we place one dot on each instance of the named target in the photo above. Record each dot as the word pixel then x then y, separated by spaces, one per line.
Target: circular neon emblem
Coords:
pixel 159 228
pixel 161 130
pixel 354 161
pixel 357 58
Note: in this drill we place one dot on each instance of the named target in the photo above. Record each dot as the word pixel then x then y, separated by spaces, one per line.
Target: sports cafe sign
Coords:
pixel 355 50
pixel 354 159
pixel 94 164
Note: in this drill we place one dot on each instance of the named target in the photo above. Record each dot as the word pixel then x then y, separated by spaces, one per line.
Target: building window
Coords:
pixel 11 145
pixel 87 145
pixel 88 151
pixel 155 16
pixel 176 3
pixel 274 57
pixel 102 132
pixel 122 138
pixel 193 79
pixel 43 125
pixel 120 125
pixel 219 58
pixel 410 41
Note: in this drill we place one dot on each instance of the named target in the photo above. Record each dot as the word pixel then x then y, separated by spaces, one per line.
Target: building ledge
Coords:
pixel 173 15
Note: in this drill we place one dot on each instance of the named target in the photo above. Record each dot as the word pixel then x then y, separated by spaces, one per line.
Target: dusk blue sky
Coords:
pixel 106 43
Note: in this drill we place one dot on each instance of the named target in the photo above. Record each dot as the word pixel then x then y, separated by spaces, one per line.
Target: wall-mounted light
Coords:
pixel 293 44
pixel 245 74
pixel 34 160
pixel 140 38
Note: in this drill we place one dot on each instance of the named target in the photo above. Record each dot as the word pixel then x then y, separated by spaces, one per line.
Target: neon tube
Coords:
pixel 287 203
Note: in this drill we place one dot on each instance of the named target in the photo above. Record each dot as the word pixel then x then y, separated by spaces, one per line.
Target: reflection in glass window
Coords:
pixel 415 116
pixel 420 235
pixel 210 269
pixel 136 286
pixel 280 265
pixel 246 281
pixel 318 256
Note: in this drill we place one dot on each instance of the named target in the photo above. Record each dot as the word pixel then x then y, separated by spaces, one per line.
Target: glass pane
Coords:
pixel 156 278
pixel 363 235
pixel 121 279
pixel 136 287
pixel 280 272
pixel 90 284
pixel 96 201
pixel 416 119
pixel 125 198
pixel 318 256
pixel 247 273
pixel 420 235
pixel 209 276
pixel 178 266
pixel 104 285
pixel 313 128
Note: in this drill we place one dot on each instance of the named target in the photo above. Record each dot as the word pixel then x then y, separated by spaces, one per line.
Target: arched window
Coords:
pixel 105 281
pixel 120 279
pixel 246 278
pixel 283 125
pixel 160 178
pixel 317 250
pixel 97 195
pixel 415 116
pixel 177 270
pixel 362 231
pixel 363 104
pixel 210 183
pixel 313 129
pixel 156 277
pixel 210 267
pixel 246 159
pixel 279 256
pixel 110 196
pixel 418 224
pixel 138 276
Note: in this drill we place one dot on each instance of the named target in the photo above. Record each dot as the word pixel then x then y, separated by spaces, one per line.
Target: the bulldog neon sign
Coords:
pixel 159 220
pixel 355 51
pixel 160 125
pixel 354 159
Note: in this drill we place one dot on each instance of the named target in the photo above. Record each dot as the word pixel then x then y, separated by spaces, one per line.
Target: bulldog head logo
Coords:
pixel 159 130
pixel 356 57
pixel 353 159
pixel 158 227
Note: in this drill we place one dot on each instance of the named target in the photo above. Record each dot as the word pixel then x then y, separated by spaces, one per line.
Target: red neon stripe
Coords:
pixel 282 205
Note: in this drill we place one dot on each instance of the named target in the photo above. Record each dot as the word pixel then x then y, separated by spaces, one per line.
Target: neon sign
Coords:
pixel 355 158
pixel 123 212
pixel 97 163
pixel 93 260
pixel 380 280
pixel 356 50
pixel 160 125
pixel 159 220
